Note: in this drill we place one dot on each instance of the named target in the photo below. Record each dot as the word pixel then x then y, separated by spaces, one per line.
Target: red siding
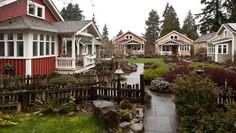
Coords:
pixel 18 64
pixel 19 8
pixel 13 10
pixel 43 66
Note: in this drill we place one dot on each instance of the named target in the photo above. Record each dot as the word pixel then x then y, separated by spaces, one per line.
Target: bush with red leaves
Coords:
pixel 171 75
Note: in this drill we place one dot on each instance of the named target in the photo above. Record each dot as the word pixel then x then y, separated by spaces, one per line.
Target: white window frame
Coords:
pixel 36 9
pixel 17 41
pixel 222 48
pixel 4 44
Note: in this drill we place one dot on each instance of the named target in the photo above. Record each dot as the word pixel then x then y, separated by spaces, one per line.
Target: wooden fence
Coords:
pixel 21 98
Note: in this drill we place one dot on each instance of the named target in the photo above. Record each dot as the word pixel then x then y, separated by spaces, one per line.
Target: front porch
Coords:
pixel 76 54
pixel 169 50
pixel 134 49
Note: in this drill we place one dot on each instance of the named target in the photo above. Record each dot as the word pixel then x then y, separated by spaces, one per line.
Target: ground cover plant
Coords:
pixel 28 123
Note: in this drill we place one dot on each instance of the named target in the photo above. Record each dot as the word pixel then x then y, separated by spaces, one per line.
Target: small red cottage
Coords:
pixel 35 40
pixel 129 44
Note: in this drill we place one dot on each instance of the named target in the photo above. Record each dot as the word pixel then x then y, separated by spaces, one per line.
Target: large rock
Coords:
pixel 137 127
pixel 160 85
pixel 107 112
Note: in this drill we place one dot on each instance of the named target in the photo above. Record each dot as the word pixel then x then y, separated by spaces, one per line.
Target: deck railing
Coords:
pixel 64 63
pixel 89 60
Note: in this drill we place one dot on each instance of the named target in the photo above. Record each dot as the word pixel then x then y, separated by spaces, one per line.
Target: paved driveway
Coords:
pixel 160 115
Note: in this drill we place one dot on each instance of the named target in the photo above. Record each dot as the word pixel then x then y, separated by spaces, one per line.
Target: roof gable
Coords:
pixel 174 32
pixel 129 32
pixel 52 7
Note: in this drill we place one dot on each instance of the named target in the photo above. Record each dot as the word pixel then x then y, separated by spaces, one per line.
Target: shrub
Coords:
pixel 158 69
pixel 219 75
pixel 182 63
pixel 171 75
pixel 126 104
pixel 63 80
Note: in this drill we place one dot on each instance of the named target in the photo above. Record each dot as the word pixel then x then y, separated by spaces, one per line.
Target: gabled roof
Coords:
pixel 176 33
pixel 205 38
pixel 27 22
pixel 130 33
pixel 71 26
pixel 6 2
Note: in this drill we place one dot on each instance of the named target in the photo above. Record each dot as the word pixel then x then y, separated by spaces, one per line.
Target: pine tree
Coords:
pixel 105 33
pixel 152 31
pixel 189 27
pixel 171 21
pixel 120 33
pixel 212 16
pixel 230 6
pixel 72 12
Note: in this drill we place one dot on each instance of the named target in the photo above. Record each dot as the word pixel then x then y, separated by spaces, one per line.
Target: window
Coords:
pixel 20 45
pixel 165 48
pixel 41 48
pixel 171 37
pixel 20 49
pixel 219 49
pixel 211 49
pixel 35 48
pixel 223 49
pixel 10 36
pixel 47 48
pixel 176 37
pixel 36 10
pixel 52 48
pixel 10 48
pixel 2 48
pixel 2 45
pixel 226 34
pixel 184 48
pixel 129 37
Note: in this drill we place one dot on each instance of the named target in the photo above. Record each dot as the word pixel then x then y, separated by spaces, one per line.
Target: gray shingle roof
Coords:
pixel 27 22
pixel 232 26
pixel 205 38
pixel 70 26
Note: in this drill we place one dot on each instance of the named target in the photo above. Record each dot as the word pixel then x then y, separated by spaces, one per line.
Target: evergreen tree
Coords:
pixel 152 31
pixel 189 27
pixel 171 21
pixel 72 12
pixel 105 33
pixel 212 16
pixel 230 6
pixel 120 33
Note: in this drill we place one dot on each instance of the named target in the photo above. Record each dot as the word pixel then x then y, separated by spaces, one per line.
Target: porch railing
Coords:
pixel 64 63
pixel 89 60
pixel 166 52
pixel 137 52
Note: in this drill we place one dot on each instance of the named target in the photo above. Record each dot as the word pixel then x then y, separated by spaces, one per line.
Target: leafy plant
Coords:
pixel 63 80
pixel 52 106
pixel 5 120
pixel 126 104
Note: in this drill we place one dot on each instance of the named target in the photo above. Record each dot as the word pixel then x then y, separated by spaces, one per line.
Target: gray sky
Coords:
pixel 129 15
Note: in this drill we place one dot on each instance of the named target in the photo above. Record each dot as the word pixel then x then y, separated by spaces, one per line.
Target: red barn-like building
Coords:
pixel 35 40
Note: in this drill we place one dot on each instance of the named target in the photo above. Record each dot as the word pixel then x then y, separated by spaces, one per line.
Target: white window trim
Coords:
pixel 36 10
pixel 222 48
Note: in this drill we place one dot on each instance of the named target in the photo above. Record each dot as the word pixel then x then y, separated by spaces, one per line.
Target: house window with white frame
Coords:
pixel 211 49
pixel 10 44
pixel 223 49
pixel 165 48
pixel 47 44
pixel 41 45
pixel 184 47
pixel 2 45
pixel 129 37
pixel 35 44
pixel 20 45
pixel 36 10
pixel 52 45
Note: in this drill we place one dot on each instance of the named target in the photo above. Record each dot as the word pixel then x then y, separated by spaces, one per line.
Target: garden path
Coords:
pixel 160 115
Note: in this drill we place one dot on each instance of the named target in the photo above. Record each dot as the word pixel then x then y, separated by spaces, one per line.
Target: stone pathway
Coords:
pixel 160 116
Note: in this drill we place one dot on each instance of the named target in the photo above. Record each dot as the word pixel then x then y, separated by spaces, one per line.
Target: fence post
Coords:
pixel 119 90
pixel 23 101
pixel 142 87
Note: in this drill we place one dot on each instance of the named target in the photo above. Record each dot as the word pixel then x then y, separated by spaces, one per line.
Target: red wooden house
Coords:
pixel 35 40
pixel 129 44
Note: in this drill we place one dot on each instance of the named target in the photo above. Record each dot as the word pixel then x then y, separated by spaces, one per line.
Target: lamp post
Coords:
pixel 119 72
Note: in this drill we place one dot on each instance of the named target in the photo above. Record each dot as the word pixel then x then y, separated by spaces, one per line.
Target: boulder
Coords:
pixel 160 85
pixel 137 127
pixel 139 113
pixel 124 124
pixel 106 111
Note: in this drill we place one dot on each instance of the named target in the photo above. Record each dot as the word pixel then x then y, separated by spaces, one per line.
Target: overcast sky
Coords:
pixel 129 15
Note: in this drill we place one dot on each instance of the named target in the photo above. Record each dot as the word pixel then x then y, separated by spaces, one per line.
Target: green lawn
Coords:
pixel 84 123
pixel 144 60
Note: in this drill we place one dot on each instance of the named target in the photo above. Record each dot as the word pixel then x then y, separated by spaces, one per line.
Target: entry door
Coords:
pixel 174 50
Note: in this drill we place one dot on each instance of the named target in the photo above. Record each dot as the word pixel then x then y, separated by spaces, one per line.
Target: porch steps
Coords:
pixel 78 70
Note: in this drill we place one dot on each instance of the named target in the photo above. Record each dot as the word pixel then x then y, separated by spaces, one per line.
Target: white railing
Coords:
pixel 166 52
pixel 137 52
pixel 89 60
pixel 64 63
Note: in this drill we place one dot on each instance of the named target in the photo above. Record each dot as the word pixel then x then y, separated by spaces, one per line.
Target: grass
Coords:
pixel 83 123
pixel 144 60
